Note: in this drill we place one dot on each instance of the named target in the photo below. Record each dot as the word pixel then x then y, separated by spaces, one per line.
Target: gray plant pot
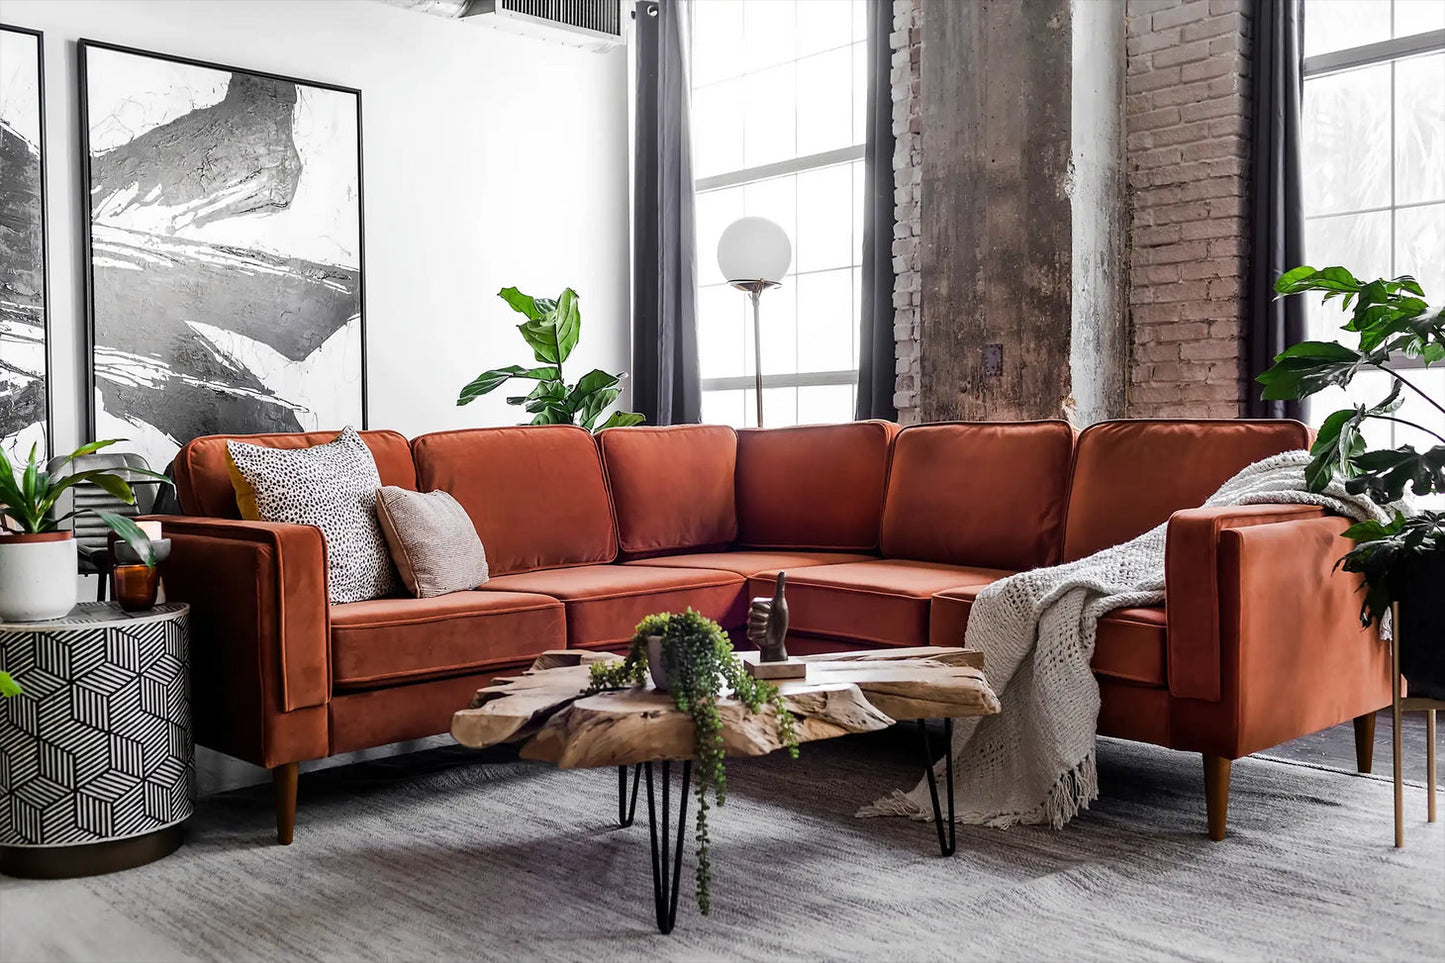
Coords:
pixel 656 667
pixel 125 555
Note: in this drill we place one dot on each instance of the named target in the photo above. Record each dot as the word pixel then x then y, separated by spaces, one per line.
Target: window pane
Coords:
pixel 717 49
pixel 1420 128
pixel 820 404
pixel 825 24
pixel 1360 242
pixel 769 33
pixel 725 408
pixel 825 309
pixel 713 212
pixel 722 331
pixel 1346 148
pixel 1418 16
pixel 777 200
pixel 1420 248
pixel 1340 24
pixel 717 128
pixel 778 315
pixel 825 114
pixel 825 219
pixel 780 407
pixel 770 121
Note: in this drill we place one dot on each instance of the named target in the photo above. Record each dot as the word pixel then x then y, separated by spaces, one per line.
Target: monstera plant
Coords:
pixel 551 330
pixel 1392 330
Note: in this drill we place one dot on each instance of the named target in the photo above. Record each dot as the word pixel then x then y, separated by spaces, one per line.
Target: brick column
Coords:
pixel 1187 117
pixel 907 224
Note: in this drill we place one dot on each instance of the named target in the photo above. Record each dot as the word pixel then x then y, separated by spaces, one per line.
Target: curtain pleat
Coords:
pixel 876 351
pixel 1277 210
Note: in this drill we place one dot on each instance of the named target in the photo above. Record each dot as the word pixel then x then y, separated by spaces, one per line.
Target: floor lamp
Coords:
pixel 754 253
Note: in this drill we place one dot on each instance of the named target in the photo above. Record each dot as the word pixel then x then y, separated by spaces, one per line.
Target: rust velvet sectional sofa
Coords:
pixel 887 537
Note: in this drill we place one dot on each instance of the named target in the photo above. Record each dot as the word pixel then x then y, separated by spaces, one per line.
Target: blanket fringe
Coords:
pixel 1068 797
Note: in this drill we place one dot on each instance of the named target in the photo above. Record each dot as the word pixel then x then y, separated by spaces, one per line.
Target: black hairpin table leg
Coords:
pixel 625 812
pixel 664 872
pixel 945 844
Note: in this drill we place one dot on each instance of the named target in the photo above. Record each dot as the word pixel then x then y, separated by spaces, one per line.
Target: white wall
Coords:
pixel 490 160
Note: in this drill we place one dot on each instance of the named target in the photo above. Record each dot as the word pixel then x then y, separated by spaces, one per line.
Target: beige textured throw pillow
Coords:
pixel 332 486
pixel 432 540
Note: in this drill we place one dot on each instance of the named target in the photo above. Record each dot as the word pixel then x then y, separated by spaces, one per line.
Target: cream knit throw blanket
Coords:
pixel 1034 761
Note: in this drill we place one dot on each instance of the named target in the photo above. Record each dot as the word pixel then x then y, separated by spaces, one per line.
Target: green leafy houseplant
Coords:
pixel 28 493
pixel 551 330
pixel 699 660
pixel 1389 320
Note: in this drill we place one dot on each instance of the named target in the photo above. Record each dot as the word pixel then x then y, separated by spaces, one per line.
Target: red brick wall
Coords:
pixel 1187 125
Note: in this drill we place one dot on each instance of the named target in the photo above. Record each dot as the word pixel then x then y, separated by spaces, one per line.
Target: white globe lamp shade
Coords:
pixel 754 249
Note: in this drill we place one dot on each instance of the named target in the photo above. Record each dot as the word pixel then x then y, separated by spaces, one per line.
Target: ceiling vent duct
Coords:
pixel 592 24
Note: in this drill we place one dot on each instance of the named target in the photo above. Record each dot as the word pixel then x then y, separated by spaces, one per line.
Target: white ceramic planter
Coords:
pixel 37 577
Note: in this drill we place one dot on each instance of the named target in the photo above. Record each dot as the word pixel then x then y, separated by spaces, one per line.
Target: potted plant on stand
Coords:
pixel 37 557
pixel 690 657
pixel 1393 331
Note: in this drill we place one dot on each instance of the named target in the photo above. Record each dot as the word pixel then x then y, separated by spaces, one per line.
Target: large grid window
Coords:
pixel 778 94
pixel 1374 168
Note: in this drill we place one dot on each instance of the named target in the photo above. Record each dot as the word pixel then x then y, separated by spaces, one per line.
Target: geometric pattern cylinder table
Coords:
pixel 97 764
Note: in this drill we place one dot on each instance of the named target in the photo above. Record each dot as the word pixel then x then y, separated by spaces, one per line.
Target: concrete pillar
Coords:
pixel 1023 210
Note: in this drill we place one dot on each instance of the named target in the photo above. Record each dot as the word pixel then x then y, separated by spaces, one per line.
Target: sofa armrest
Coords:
pixel 259 608
pixel 1191 585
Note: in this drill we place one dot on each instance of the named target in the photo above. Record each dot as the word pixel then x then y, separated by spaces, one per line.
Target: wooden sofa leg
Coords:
pixel 1216 794
pixel 283 780
pixel 1365 742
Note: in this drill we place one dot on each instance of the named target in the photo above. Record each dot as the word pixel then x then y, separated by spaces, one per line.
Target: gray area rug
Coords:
pixel 458 859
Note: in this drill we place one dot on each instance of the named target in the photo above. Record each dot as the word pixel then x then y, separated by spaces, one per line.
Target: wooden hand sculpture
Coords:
pixel 768 624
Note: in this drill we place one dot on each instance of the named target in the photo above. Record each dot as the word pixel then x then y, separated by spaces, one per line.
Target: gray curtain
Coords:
pixel 1278 211
pixel 876 351
pixel 665 386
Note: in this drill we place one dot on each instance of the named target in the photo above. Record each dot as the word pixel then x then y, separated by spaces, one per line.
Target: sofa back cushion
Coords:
pixel 535 493
pixel 672 488
pixel 1132 475
pixel 203 480
pixel 816 487
pixel 980 494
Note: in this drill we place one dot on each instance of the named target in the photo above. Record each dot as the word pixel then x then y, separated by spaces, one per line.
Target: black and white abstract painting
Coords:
pixel 225 249
pixel 24 350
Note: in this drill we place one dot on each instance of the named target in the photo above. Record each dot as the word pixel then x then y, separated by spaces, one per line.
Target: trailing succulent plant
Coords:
pixel 1390 320
pixel 551 330
pixel 699 661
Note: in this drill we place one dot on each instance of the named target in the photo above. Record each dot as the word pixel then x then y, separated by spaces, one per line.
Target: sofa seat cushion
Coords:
pixel 1129 646
pixel 605 602
pixel 748 563
pixel 882 601
pixel 385 641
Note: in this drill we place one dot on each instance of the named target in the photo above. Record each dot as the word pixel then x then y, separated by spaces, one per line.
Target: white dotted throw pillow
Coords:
pixel 332 486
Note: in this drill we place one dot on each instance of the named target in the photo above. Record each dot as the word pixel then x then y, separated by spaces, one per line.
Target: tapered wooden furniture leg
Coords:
pixel 1430 758
pixel 283 780
pixel 1365 742
pixel 1216 794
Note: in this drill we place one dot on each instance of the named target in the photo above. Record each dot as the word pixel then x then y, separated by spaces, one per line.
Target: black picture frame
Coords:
pixel 47 327
pixel 84 46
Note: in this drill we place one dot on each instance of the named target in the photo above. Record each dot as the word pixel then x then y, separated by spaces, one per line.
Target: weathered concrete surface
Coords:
pixel 1021 154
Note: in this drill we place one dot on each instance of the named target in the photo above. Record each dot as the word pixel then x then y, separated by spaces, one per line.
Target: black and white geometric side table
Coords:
pixel 97 765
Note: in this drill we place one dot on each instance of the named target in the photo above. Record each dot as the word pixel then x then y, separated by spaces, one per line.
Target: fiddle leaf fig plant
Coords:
pixel 551 330
pixel 1391 321
pixel 29 493
pixel 699 660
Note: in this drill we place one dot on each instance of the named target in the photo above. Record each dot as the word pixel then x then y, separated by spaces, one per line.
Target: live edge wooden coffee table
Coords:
pixel 846 692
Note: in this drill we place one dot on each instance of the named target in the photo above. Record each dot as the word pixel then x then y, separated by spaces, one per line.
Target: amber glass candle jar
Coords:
pixel 135 586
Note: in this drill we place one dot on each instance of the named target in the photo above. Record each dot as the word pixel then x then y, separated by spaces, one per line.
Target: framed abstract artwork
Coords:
pixel 25 389
pixel 224 246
